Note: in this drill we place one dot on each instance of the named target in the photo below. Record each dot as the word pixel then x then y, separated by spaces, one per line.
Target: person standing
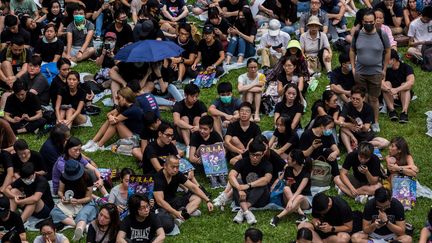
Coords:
pixel 369 69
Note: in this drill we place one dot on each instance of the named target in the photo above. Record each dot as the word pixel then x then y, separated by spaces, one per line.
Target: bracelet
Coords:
pixel 80 51
pixel 157 78
pixel 250 185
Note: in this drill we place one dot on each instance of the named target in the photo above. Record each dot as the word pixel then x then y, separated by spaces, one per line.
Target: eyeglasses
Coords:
pixel 168 135
pixel 256 155
pixel 245 111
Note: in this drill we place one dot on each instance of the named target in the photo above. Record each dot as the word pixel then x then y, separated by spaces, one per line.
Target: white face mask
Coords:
pixel 28 181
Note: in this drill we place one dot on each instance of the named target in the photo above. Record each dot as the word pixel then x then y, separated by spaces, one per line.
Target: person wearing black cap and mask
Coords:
pixel 75 192
pixel 214 53
pixel 11 221
pixel 147 27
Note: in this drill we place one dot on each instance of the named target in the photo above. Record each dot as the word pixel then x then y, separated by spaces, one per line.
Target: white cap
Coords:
pixel 274 27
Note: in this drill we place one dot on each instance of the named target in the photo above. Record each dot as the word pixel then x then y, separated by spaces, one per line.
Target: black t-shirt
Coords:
pixel 79 187
pixel 339 213
pixel 134 116
pixel 15 59
pixel 73 100
pixel 29 106
pixel 40 84
pixel 50 153
pixel 399 76
pixel 49 49
pixel 291 111
pixel 320 103
pixel 277 162
pixel 149 134
pixel 141 231
pixel 351 114
pixel 209 54
pixel 283 139
pixel 153 150
pixel 250 173
pixel 294 181
pixel 40 184
pixel 169 189
pixel 235 130
pixel 14 221
pixel 174 8
pixel 307 139
pixel 128 71
pixel 223 26
pixel 197 109
pixel 247 28
pixel 387 15
pixel 189 47
pixel 197 139
pixel 394 214
pixel 7 36
pixel 35 34
pixel 352 161
pixel 232 7
pixel 123 37
pixel 5 163
pixel 35 158
pixel 339 78
pixel 56 85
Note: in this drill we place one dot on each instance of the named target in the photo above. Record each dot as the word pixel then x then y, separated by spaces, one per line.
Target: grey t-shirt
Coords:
pixel 116 198
pixel 59 238
pixel 79 36
pixel 369 49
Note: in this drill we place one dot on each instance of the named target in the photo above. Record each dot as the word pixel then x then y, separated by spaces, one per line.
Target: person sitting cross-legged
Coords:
pixel 383 219
pixel 366 173
pixel 167 181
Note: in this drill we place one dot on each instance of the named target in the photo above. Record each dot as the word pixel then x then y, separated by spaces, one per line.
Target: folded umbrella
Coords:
pixel 148 51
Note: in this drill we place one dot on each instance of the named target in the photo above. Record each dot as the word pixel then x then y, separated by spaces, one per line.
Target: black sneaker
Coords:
pixel 403 118
pixel 274 221
pixel 301 219
pixel 393 115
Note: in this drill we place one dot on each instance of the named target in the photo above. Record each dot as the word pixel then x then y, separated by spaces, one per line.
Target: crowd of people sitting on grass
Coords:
pixel 284 45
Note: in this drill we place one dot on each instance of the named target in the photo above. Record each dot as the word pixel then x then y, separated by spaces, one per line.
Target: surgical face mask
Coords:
pixel 79 18
pixel 349 67
pixel 28 181
pixel 389 66
pixel 368 27
pixel 111 44
pixel 327 132
pixel 226 99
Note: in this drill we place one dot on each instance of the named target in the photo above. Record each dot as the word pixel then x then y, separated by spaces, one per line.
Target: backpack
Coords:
pixel 49 71
pixel 427 58
pixel 321 173
pixel 356 34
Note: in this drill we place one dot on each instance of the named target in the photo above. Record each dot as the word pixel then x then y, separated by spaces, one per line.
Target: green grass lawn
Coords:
pixel 218 226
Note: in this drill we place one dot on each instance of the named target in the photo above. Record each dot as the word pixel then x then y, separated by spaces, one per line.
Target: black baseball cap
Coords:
pixel 208 29
pixel 4 207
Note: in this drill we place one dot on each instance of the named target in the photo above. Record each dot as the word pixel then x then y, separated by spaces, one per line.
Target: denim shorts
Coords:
pixel 87 213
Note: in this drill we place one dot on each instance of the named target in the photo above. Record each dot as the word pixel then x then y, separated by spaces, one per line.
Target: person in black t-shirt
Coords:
pixel 13 30
pixel 31 193
pixel 122 29
pixel 296 193
pixel 23 110
pixel 283 139
pixel 355 122
pixel 366 173
pixel 7 170
pixel 327 105
pixel 70 102
pixel 224 108
pixel 59 81
pixel 332 219
pixel 231 9
pixel 123 72
pixel 243 32
pixel 220 25
pixel 383 219
pixel 210 53
pixel 141 225
pixel 166 183
pixel 11 220
pixel 250 180
pixel 23 156
pixel 206 136
pixel 399 82
pixel 35 81
pixel 186 113
pixel 106 58
pixel 291 106
pixel 342 79
pixel 49 47
pixel 174 68
pixel 241 132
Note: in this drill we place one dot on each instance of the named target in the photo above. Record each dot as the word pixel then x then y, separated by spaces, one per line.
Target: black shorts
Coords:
pixel 180 201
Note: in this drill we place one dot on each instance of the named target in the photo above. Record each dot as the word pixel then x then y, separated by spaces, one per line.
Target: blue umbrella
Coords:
pixel 148 51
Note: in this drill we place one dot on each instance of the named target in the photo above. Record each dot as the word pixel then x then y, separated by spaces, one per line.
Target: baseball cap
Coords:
pixel 274 27
pixel 4 206
pixel 208 29
pixel 111 35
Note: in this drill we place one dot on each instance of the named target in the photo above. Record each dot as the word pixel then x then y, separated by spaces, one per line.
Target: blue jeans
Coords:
pixel 303 7
pixel 87 213
pixel 238 46
pixel 98 25
pixel 172 92
pixel 290 29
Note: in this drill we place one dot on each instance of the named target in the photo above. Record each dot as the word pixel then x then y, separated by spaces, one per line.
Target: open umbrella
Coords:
pixel 148 51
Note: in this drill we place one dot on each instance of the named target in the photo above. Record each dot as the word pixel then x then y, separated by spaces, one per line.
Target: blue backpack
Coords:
pixel 49 71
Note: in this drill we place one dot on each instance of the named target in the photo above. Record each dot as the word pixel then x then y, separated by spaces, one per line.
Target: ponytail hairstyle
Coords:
pixel 298 156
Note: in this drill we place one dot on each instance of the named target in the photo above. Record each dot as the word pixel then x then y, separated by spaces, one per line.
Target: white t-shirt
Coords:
pixel 420 31
pixel 244 79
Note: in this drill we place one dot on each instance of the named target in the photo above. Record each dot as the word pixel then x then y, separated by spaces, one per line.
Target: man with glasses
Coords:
pixel 331 219
pixel 252 188
pixel 366 173
pixel 242 131
pixel 166 183
pixel 383 219
pixel 141 225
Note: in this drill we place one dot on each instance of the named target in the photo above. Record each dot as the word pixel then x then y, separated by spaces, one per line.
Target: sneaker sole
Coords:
pixel 403 121
pixel 394 119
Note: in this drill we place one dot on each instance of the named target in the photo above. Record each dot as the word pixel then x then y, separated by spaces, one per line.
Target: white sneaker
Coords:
pixel 187 152
pixel 94 148
pixel 362 199
pixel 89 144
pixel 220 200
pixel 178 222
pixel 376 127
pixel 239 217
pixel 195 213
pixel 339 191
pixel 250 217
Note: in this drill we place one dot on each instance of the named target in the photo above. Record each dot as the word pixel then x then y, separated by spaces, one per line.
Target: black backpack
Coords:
pixel 427 58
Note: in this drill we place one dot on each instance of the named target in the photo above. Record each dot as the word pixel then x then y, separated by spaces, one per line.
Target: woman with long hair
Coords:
pixel 105 227
pixel 119 194
pixel 399 160
pixel 289 74
pixel 53 147
pixel 290 106
pixel 283 138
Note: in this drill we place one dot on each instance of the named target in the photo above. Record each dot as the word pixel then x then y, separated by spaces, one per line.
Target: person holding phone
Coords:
pixel 10 221
pixel 366 173
pixel 383 219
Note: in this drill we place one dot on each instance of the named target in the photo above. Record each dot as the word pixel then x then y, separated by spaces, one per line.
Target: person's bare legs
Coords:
pixel 346 139
pixel 90 51
pixel 185 133
pixel 360 237
pixel 373 101
pixel 7 69
pixel 115 87
pixel 123 131
pixel 388 97
pixel 405 97
pixel 369 189
pixel 257 103
pixel 194 202
pixel 380 142
pixel 315 236
pixel 101 131
pixel 217 125
pixel 327 60
pixel 181 71
pixel 4 99
pixel 30 209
